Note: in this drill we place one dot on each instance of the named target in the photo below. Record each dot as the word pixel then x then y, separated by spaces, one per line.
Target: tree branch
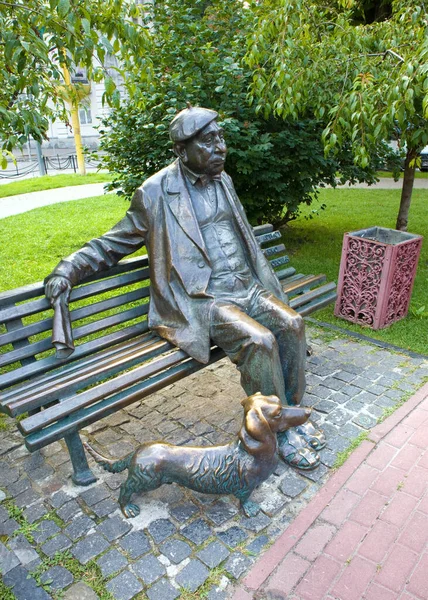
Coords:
pixel 33 10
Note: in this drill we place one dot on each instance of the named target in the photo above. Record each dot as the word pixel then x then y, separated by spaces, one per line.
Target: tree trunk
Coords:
pixel 407 189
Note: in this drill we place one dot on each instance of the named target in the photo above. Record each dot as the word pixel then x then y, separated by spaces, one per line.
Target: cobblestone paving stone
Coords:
pixel 181 540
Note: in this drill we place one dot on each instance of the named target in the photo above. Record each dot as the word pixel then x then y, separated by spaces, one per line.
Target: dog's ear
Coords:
pixel 256 434
pixel 249 401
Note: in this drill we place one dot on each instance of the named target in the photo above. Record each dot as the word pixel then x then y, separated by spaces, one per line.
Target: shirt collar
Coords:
pixel 195 177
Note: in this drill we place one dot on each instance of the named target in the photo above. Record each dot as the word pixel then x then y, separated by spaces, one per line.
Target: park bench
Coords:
pixel 117 360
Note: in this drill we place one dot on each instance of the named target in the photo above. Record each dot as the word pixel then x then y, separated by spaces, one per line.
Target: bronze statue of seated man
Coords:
pixel 210 281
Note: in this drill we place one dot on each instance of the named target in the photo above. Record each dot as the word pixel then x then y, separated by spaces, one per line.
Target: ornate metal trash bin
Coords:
pixel 377 271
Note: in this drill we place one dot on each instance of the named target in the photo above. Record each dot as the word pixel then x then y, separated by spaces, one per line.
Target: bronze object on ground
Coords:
pixel 236 468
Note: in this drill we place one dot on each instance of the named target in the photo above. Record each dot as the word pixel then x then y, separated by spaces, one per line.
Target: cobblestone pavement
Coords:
pixel 61 541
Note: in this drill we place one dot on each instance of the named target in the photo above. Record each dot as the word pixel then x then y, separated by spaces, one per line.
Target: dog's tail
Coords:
pixel 112 466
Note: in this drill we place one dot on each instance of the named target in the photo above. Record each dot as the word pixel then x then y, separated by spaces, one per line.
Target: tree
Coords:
pixel 197 51
pixel 38 38
pixel 361 64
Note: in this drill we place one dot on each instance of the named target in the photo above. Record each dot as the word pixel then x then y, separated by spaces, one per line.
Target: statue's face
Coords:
pixel 205 153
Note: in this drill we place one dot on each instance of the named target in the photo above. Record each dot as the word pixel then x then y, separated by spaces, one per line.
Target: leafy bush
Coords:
pixel 198 49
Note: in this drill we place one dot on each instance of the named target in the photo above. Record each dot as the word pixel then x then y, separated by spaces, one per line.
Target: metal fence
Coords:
pixel 51 163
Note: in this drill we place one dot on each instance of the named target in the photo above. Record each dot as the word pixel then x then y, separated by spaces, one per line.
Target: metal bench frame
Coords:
pixel 117 360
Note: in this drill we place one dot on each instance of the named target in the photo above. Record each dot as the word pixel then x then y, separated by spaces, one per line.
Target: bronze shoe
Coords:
pixel 314 437
pixel 294 450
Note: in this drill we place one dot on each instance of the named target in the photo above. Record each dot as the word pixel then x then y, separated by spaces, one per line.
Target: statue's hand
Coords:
pixel 56 286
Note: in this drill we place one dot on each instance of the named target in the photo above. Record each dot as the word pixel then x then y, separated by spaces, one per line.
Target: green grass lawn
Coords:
pixel 49 182
pixel 314 246
pixel 418 174
pixel 32 244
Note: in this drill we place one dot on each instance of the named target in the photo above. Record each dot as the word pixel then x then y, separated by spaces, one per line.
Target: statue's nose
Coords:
pixel 220 147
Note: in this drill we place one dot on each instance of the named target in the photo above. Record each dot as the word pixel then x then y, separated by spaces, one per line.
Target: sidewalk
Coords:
pixel 365 534
pixel 14 205
pixel 20 203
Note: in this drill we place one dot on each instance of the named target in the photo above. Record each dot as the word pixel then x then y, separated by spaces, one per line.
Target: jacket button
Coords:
pixel 201 264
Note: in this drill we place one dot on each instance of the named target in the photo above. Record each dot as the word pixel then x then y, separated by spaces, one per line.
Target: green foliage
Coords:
pixel 362 65
pixel 197 52
pixel 5 592
pixel 38 37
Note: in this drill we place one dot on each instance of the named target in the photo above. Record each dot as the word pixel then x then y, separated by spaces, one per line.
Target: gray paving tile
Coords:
pixel 192 576
pixel 124 586
pixel 135 544
pixel 197 531
pixel 213 554
pixel 176 550
pixel 148 568
pixel 90 547
pixel 237 564
pixel 58 578
pixel 162 590
pixel 113 528
pixel 112 562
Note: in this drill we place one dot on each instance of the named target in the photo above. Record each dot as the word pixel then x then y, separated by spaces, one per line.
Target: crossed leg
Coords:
pixel 266 341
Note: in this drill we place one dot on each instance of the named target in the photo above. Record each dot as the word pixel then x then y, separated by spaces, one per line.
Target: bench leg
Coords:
pixel 82 473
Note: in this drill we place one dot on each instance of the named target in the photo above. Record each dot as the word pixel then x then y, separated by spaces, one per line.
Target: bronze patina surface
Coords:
pixel 210 280
pixel 237 468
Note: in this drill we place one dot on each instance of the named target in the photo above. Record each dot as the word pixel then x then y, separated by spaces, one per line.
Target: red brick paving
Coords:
pixel 365 535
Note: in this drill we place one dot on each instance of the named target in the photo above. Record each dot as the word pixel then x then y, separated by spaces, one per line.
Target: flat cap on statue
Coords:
pixel 189 122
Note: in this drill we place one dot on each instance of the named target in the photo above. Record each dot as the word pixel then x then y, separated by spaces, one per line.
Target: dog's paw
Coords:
pixel 130 510
pixel 250 508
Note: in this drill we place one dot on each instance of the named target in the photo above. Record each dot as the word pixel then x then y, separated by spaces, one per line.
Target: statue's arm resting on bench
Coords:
pixel 101 253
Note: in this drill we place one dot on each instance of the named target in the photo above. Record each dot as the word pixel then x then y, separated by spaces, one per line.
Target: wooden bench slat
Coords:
pixel 26 292
pixel 303 299
pixel 272 250
pixel 70 381
pixel 78 293
pixel 110 405
pixel 261 229
pixel 268 237
pixel 51 379
pixel 278 262
pixel 127 265
pixel 119 383
pixel 304 283
pixel 79 313
pixel 51 362
pixel 284 273
pixel 318 303
pixel 78 333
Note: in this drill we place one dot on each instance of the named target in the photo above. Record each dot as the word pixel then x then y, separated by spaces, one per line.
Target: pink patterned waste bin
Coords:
pixel 377 271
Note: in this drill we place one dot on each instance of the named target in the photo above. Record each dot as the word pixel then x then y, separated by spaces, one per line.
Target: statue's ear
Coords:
pixel 180 151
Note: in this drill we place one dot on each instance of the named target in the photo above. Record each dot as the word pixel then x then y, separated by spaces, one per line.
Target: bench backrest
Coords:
pixel 106 309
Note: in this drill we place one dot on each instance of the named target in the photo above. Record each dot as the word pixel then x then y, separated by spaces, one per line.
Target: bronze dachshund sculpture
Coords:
pixel 237 468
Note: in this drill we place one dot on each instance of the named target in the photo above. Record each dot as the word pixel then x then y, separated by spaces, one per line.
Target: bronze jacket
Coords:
pixel 161 216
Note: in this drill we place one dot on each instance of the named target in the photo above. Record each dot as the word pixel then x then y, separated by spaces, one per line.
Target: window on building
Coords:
pixel 85 116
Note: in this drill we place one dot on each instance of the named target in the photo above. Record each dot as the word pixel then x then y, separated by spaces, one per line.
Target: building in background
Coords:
pixel 91 111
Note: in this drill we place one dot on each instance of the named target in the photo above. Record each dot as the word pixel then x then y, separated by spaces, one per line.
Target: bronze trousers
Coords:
pixel 265 339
